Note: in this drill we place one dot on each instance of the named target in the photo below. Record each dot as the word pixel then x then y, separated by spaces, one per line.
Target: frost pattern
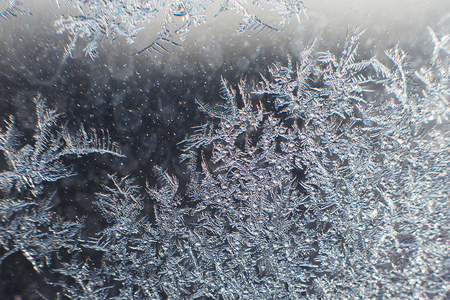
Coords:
pixel 100 21
pixel 342 191
pixel 12 10
pixel 31 165
pixel 27 223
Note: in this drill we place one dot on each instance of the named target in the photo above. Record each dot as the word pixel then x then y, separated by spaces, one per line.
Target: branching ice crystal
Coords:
pixel 106 20
pixel 342 191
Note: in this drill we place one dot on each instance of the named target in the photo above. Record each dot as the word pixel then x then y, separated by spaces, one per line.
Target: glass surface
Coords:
pixel 224 149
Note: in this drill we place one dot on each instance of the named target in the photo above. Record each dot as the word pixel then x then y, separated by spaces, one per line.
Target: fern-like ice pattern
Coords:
pixel 328 179
pixel 99 21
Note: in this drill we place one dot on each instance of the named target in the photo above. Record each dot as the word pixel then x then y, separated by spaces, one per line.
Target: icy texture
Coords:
pixel 341 192
pixel 106 20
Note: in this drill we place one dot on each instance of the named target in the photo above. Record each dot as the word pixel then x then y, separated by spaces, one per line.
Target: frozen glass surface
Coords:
pixel 224 149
